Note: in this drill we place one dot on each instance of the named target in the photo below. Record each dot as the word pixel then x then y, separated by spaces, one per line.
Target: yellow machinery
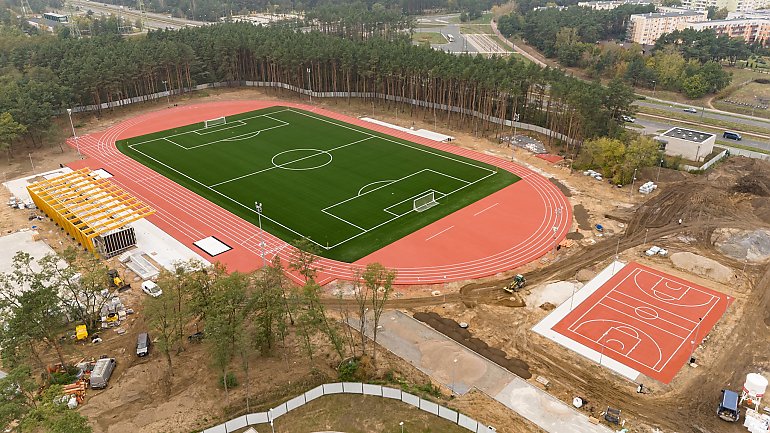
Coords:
pixel 93 210
pixel 81 332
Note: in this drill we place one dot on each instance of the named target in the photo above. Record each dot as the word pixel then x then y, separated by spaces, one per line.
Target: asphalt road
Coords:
pixel 653 126
pixel 152 20
pixel 706 114
pixel 442 25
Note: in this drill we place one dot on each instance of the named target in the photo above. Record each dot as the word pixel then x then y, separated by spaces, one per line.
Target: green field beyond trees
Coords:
pixel 349 190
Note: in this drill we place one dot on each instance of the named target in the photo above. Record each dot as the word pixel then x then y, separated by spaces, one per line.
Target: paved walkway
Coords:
pixel 461 369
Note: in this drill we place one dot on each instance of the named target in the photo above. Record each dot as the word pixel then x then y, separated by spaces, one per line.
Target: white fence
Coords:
pixel 350 388
pixel 708 163
pixel 274 84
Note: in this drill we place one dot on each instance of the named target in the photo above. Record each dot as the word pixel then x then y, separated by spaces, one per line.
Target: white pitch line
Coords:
pixel 442 231
pixel 485 209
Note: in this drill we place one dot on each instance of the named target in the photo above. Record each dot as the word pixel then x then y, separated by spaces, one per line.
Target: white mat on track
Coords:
pixel 212 246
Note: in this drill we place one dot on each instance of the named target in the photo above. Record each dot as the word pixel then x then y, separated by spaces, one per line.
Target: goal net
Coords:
pixel 214 122
pixel 425 201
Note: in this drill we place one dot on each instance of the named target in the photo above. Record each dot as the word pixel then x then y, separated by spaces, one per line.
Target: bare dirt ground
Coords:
pixel 733 195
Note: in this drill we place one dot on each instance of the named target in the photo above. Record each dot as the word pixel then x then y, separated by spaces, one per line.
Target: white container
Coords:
pixel 755 385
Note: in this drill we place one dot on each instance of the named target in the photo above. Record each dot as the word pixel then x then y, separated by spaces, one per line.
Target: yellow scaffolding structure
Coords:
pixel 87 206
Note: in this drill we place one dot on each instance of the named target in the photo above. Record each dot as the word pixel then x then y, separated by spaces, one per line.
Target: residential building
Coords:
pixel 687 143
pixel 645 29
pixel 730 5
pixel 751 30
pixel 604 5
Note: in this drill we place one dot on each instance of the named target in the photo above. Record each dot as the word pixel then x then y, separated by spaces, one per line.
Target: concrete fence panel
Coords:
pixel 314 393
pixel 348 388
pixel 372 390
pixel 277 411
pixel 388 392
pixel 429 406
pixel 353 388
pixel 447 414
pixel 237 423
pixel 257 418
pixel 469 423
pixel 333 388
pixel 295 402
pixel 410 399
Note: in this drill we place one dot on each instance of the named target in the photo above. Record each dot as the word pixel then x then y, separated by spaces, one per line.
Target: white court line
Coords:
pixel 688 335
pixel 656 310
pixel 442 231
pixel 199 129
pixel 213 129
pixel 287 163
pixel 655 342
pixel 486 209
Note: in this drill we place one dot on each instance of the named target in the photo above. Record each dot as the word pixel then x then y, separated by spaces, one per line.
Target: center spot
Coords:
pixel 301 159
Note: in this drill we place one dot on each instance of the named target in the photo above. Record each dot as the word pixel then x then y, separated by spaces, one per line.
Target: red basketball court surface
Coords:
pixel 504 230
pixel 645 319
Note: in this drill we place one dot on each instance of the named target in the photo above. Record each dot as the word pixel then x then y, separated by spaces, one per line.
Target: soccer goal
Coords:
pixel 425 201
pixel 214 122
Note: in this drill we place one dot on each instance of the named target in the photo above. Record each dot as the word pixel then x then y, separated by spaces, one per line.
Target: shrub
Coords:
pixel 232 381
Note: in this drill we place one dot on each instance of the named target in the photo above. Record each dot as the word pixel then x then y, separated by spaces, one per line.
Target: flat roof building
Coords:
pixel 751 30
pixel 645 29
pixel 687 143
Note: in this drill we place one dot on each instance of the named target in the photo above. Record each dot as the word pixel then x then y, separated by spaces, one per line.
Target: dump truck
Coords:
pixel 116 281
pixel 516 284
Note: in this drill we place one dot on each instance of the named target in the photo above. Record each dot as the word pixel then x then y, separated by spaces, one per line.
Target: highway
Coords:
pixel 152 20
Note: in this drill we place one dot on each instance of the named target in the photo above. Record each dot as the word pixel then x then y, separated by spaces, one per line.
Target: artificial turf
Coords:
pixel 348 189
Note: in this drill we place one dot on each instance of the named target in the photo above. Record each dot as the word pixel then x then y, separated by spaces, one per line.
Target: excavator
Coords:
pixel 116 281
pixel 516 284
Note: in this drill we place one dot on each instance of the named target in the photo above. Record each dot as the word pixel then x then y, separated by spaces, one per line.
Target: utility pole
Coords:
pixel 258 207
pixel 74 136
pixel 659 167
pixel 165 86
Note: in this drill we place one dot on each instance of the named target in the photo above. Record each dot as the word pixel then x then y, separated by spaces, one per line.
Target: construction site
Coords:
pixel 491 351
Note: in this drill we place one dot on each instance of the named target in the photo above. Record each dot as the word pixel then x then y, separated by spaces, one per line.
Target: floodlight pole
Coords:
pixel 659 167
pixel 30 161
pixel 695 339
pixel 454 368
pixel 74 136
pixel 310 85
pixel 258 207
pixel 165 86
pixel 516 118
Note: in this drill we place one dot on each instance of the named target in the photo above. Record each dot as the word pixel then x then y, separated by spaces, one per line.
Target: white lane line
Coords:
pixel 485 209
pixel 442 231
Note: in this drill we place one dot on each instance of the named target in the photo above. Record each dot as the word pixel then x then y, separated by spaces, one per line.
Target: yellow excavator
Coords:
pixel 116 281
pixel 516 284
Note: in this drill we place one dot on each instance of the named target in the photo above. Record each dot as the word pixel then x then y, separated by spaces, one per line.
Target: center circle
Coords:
pixel 301 159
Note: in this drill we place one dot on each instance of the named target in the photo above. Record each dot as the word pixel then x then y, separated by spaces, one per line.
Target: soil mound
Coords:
pixel 702 266
pixel 751 245
pixel 452 329
pixel 753 184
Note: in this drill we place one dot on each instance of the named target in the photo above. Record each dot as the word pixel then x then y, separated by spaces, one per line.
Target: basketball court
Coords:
pixel 635 319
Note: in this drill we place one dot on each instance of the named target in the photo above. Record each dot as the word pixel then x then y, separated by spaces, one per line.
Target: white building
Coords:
pixel 687 143
pixel 730 5
pixel 752 30
pixel 604 5
pixel 645 29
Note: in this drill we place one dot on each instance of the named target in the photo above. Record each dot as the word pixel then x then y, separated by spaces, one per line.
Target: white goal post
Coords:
pixel 425 201
pixel 214 122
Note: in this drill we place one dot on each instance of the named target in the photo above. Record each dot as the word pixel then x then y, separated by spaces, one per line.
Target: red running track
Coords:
pixel 505 230
pixel 646 319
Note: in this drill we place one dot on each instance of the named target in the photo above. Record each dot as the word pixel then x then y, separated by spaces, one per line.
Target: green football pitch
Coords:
pixel 347 189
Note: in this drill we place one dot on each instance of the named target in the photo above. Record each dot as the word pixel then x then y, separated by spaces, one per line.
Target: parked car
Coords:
pixel 101 373
pixel 151 289
pixel 690 110
pixel 732 136
pixel 627 119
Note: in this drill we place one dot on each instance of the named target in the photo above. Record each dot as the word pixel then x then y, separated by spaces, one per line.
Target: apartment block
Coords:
pixel 753 28
pixel 645 29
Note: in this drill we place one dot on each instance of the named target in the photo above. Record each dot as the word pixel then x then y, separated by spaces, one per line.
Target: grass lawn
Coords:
pixel 429 38
pixel 696 118
pixel 471 29
pixel 360 414
pixel 347 189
